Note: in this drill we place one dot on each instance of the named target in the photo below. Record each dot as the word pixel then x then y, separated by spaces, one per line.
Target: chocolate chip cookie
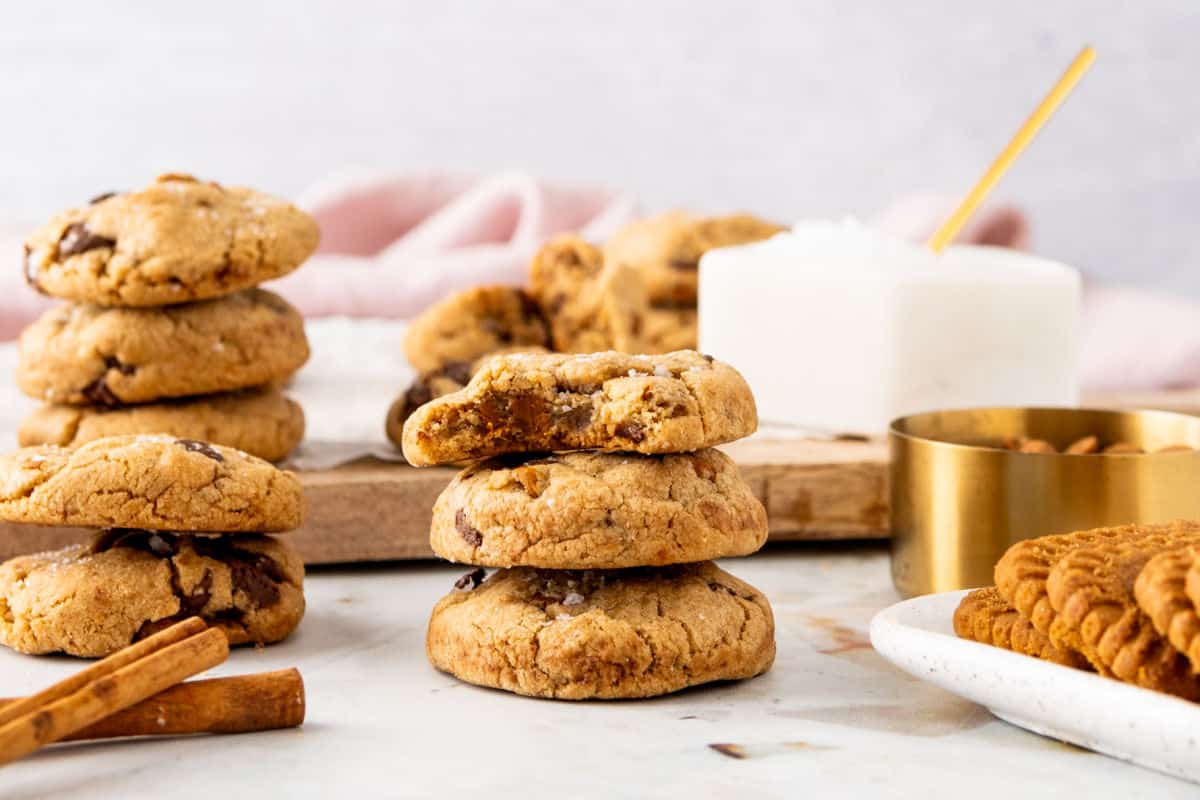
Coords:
pixel 666 249
pixel 424 388
pixel 474 323
pixel 436 383
pixel 598 510
pixel 602 634
pixel 150 481
pixel 91 600
pixel 671 403
pixel 261 422
pixel 591 305
pixel 175 241
pixel 92 355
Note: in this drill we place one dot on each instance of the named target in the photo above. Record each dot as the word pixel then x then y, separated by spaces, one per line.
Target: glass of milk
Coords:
pixel 842 328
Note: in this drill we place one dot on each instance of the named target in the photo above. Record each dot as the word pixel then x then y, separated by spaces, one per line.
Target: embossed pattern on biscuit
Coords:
pixel 1161 591
pixel 1022 571
pixel 986 617
pixel 1091 589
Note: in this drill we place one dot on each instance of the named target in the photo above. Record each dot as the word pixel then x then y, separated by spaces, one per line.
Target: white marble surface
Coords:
pixel 832 719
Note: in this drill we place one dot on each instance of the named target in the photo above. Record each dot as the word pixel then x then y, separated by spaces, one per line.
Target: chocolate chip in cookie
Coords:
pixel 203 448
pixel 469 534
pixel 78 239
pixel 471 580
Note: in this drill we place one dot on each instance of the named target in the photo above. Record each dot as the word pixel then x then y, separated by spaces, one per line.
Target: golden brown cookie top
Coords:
pixel 177 240
pixel 598 510
pixel 676 402
pixel 153 482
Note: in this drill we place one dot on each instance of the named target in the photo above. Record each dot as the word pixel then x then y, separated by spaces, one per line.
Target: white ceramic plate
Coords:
pixel 1137 725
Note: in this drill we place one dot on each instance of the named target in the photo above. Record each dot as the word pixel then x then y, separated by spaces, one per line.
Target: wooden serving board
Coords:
pixel 375 510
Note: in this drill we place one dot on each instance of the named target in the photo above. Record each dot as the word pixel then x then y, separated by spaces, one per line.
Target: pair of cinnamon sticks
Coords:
pixel 138 691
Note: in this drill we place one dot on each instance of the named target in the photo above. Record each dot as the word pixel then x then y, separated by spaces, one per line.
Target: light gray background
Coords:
pixel 802 108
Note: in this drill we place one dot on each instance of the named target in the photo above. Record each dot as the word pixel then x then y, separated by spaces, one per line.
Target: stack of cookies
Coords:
pixel 183 534
pixel 636 295
pixel 1122 601
pixel 164 331
pixel 596 491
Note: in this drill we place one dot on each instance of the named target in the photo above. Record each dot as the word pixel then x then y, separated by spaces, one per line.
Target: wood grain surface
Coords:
pixel 374 510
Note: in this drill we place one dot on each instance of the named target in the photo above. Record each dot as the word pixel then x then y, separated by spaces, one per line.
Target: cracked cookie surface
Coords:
pixel 87 354
pixel 473 323
pixel 591 305
pixel 261 422
pixel 602 634
pixel 91 600
pixel 666 249
pixel 175 241
pixel 598 510
pixel 677 402
pixel 149 481
pixel 984 616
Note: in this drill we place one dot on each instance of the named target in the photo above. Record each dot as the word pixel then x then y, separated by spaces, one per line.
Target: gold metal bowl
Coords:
pixel 958 500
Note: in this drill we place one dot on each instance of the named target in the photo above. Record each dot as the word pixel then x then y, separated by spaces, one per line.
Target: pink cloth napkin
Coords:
pixel 390 246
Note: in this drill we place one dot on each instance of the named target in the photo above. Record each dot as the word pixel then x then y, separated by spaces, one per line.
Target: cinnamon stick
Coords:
pixel 126 655
pixel 111 693
pixel 240 704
